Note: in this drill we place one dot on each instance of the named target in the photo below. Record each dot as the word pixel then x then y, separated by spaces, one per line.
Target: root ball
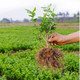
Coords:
pixel 49 57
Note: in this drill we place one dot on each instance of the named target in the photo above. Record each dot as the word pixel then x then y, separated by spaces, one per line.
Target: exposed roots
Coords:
pixel 49 57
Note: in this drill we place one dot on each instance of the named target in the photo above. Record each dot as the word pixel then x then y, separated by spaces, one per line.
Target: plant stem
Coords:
pixel 41 42
pixel 47 40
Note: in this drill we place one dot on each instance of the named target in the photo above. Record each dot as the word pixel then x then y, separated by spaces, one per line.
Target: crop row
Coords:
pixel 22 66
pixel 16 38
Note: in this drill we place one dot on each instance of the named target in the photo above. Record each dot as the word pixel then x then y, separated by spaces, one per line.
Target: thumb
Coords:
pixel 52 40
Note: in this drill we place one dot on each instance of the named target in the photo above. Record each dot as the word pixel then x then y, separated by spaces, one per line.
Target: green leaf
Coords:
pixel 28 11
pixel 34 19
pixel 48 8
pixel 53 15
pixel 43 7
pixel 31 15
pixel 53 9
pixel 45 15
pixel 40 17
pixel 34 9
pixel 49 5
pixel 55 19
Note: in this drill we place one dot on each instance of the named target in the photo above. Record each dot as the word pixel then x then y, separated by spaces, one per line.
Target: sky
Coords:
pixel 15 9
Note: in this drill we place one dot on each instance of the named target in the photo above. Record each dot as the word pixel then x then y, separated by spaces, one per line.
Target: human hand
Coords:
pixel 57 39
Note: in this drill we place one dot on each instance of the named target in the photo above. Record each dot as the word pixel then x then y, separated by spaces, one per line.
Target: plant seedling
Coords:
pixel 47 56
pixel 32 15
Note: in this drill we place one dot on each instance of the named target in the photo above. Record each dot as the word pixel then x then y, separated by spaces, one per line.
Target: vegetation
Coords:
pixel 26 37
pixel 19 45
pixel 48 22
pixel 22 64
pixel 47 56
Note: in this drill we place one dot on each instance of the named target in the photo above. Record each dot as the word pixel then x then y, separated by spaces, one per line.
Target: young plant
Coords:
pixel 48 22
pixel 32 15
pixel 47 56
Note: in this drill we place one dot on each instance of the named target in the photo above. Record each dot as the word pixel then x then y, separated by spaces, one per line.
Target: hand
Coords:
pixel 57 39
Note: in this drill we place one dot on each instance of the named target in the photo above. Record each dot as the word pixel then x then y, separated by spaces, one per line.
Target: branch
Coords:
pixel 41 42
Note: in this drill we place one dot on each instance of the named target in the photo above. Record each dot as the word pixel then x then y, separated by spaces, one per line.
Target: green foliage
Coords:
pixel 16 38
pixel 32 14
pixel 70 60
pixel 22 65
pixel 48 19
pixel 67 76
pixel 47 24
pixel 3 77
pixel 71 70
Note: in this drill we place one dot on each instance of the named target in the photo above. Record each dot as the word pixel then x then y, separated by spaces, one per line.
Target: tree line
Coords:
pixel 62 17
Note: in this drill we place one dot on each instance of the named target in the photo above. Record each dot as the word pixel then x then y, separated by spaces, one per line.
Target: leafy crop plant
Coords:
pixel 47 56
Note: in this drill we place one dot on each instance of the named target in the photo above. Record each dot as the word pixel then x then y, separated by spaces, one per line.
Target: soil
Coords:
pixel 18 51
pixel 49 57
pixel 0 74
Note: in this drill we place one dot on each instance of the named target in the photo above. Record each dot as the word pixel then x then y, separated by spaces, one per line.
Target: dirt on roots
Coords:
pixel 49 57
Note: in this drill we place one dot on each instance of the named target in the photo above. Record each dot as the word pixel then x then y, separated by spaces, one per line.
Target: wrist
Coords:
pixel 65 39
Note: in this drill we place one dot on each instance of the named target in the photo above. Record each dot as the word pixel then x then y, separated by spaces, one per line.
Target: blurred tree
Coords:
pixel 63 14
pixel 60 13
pixel 75 17
pixel 5 20
pixel 67 14
pixel 25 20
pixel 77 14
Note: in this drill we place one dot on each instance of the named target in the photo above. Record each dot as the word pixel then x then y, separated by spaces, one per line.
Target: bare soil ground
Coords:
pixel 59 25
pixel 68 27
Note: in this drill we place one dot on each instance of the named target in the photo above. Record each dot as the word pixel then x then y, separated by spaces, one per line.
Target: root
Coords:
pixel 49 57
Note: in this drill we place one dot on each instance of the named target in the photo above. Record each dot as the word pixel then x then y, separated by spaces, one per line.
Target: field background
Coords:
pixel 69 25
pixel 18 47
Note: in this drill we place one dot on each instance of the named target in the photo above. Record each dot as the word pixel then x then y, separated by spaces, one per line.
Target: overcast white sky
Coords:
pixel 15 9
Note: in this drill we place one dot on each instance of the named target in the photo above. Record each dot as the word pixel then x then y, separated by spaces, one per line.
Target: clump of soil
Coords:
pixel 49 57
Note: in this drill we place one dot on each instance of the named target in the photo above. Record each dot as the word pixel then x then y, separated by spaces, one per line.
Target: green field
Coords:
pixel 18 48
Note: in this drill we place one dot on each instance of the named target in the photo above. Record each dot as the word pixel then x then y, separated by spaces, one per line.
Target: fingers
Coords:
pixel 51 36
pixel 54 35
pixel 56 39
pixel 53 44
pixel 52 40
